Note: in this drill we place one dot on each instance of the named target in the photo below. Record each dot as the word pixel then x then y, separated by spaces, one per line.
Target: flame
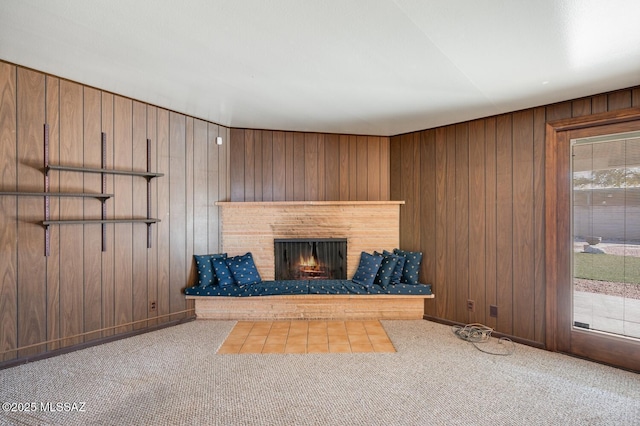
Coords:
pixel 310 261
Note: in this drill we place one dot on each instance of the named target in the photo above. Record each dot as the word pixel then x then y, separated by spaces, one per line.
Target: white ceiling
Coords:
pixel 378 67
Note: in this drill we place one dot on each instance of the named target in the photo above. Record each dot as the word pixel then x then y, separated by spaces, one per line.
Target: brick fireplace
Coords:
pixel 254 227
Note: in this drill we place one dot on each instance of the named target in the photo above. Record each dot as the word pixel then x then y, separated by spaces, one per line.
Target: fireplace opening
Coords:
pixel 311 259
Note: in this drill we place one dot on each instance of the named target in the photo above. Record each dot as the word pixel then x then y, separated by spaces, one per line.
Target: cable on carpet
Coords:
pixel 479 333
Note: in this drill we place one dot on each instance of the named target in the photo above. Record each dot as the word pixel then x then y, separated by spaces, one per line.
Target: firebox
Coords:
pixel 311 259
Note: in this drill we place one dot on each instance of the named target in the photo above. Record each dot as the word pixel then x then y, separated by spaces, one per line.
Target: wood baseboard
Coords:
pixel 328 307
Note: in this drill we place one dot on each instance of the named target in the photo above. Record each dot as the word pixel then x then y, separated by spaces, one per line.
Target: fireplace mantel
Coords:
pixel 243 204
pixel 253 226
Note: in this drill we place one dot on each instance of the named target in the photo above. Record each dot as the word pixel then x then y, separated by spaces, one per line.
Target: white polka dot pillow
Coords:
pixel 204 265
pixel 243 270
pixel 367 269
pixel 411 266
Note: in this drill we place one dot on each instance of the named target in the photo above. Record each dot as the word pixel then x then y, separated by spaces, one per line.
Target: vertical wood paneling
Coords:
pixel 462 221
pixel 344 168
pixel 267 166
pixel 539 222
pixel 413 242
pixel 598 105
pixel 177 211
pixel 353 168
pixel 559 111
pixel 189 266
pixel 490 259
pixel 152 258
pixel 223 165
pixel 8 205
pixel 71 237
pixel 523 226
pixel 108 256
pixel 216 166
pixel 164 227
pixel 373 168
pixel 92 253
pixel 406 190
pixel 236 165
pixel 257 166
pixel 581 107
pixel 321 169
pixel 123 186
pixel 619 100
pixel 450 224
pixel 310 166
pixel 299 167
pixel 362 154
pixel 440 286
pixel 427 193
pixel 332 167
pixel 289 161
pixel 202 190
pixel 53 260
pixel 395 168
pixel 385 163
pixel 504 217
pixel 30 236
pixel 249 165
pixel 477 220
pixel 79 288
pixel 279 166
pixel 139 209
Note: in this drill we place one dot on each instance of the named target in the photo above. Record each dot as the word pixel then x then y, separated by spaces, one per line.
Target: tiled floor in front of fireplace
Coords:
pixel 301 336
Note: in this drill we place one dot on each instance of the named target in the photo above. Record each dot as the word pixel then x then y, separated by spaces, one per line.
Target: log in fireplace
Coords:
pixel 311 259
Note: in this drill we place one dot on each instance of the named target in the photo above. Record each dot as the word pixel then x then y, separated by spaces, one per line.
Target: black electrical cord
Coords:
pixel 479 333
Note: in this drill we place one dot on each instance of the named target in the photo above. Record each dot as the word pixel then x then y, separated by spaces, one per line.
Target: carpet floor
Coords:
pixel 174 376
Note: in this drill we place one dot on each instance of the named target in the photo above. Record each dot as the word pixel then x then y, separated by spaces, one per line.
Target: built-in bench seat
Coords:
pixel 311 299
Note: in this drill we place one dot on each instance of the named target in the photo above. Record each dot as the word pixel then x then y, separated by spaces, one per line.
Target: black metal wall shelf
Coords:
pixel 59 194
pixel 98 221
pixel 146 175
pixel 103 196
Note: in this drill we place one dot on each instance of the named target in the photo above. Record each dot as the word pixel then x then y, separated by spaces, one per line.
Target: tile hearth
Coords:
pixel 300 337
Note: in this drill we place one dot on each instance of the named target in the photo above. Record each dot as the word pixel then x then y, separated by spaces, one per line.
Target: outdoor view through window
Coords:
pixel 606 234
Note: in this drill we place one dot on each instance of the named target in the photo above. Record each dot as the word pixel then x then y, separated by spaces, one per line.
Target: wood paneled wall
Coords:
pixel 292 166
pixel 80 293
pixel 474 195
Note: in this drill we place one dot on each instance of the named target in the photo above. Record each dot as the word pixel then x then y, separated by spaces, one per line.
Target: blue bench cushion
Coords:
pixel 274 288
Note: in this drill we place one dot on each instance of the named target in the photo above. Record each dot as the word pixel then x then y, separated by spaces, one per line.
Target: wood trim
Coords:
pixel 91 343
pixel 559 335
pixel 76 336
pixel 611 117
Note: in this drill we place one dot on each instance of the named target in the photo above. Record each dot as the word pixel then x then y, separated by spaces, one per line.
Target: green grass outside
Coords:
pixel 607 267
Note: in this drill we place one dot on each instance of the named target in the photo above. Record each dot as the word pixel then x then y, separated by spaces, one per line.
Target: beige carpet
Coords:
pixel 174 376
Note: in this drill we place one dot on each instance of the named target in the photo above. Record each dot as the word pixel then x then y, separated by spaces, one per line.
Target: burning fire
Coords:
pixel 309 262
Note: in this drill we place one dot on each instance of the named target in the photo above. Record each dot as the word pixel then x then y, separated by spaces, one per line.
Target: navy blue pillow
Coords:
pixel 244 270
pixel 396 278
pixel 223 274
pixel 367 269
pixel 411 268
pixel 387 267
pixel 206 273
